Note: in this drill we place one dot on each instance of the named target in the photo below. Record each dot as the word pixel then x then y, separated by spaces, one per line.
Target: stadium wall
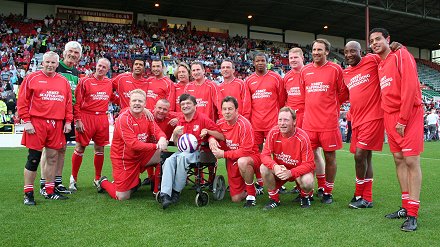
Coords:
pixel 266 33
pixel 301 38
pixel 8 7
pixel 336 42
pixel 35 11
pixel 39 11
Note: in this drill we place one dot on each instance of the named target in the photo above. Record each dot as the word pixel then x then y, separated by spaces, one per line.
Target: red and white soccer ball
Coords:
pixel 187 143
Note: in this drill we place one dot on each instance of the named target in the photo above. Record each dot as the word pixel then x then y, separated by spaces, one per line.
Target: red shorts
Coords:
pixel 411 144
pixel 259 136
pixel 328 140
pixel 95 128
pixel 368 136
pixel 48 133
pixel 235 180
pixel 126 172
pixel 299 118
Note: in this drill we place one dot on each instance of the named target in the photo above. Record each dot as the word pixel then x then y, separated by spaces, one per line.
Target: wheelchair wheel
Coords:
pixel 218 188
pixel 202 199
pixel 158 198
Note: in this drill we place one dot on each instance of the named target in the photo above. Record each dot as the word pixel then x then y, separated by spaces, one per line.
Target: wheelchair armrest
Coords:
pixel 207 157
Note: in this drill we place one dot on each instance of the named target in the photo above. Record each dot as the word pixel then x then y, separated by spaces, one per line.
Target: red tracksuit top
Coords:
pixel 93 96
pixel 45 97
pixel 239 138
pixel 162 88
pixel 131 136
pixel 238 89
pixel 124 83
pixel 324 92
pixel 267 96
pixel 207 97
pixel 294 152
pixel 362 82
pixel 399 83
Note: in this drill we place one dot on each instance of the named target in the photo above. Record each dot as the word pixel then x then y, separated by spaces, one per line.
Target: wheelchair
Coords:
pixel 206 165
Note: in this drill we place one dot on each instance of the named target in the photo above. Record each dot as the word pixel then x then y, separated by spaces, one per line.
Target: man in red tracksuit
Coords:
pixel 240 152
pixel 159 86
pixel 362 81
pixel 124 83
pixel 131 150
pixel 324 91
pixel 45 101
pixel 403 119
pixel 267 97
pixel 205 91
pixel 287 156
pixel 235 87
pixel 93 95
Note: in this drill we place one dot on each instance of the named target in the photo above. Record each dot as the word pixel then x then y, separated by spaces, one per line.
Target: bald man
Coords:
pixel 362 81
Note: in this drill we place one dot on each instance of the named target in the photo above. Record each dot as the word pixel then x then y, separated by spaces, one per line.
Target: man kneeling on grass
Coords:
pixel 130 152
pixel 293 159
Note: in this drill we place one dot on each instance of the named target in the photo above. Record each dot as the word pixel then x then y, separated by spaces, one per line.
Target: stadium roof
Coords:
pixel 411 22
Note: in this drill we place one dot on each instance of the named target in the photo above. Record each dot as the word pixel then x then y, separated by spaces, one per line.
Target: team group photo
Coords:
pixel 164 133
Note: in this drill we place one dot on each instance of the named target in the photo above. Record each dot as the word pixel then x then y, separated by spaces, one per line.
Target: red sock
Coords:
pixel 328 187
pixel 360 186
pixel 50 187
pixel 99 163
pixel 413 207
pixel 77 158
pixel 274 195
pixel 405 198
pixel 368 190
pixel 28 188
pixel 110 188
pixel 156 178
pixel 305 194
pixel 150 171
pixel 250 189
pixel 321 180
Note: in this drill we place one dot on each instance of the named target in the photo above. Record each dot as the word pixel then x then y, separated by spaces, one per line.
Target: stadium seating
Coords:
pixel 428 76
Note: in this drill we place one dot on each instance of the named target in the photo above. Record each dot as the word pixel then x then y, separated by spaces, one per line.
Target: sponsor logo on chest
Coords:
pixel 358 80
pixel 142 137
pixel 287 159
pixel 385 82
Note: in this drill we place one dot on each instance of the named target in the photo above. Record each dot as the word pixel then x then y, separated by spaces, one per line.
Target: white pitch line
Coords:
pixel 384 154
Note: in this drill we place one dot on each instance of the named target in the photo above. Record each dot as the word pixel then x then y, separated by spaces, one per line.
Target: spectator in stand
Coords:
pixel 343 128
pixel 16 118
pixel 5 118
pixel 3 106
pixel 432 122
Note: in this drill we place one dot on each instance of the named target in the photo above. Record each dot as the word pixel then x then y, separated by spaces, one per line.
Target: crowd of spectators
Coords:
pixel 121 44
pixel 21 38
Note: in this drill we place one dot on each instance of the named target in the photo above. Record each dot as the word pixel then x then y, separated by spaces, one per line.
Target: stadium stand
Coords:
pixel 429 75
pixel 24 41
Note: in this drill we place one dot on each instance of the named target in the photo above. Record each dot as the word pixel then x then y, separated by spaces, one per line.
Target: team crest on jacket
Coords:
pixel 196 127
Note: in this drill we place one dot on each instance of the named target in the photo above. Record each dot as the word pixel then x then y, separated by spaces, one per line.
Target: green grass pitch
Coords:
pixel 91 219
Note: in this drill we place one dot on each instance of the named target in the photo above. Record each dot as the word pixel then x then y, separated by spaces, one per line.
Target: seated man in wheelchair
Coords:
pixel 175 168
pixel 241 154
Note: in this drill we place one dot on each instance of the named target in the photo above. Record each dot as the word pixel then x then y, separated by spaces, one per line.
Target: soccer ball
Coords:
pixel 187 143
